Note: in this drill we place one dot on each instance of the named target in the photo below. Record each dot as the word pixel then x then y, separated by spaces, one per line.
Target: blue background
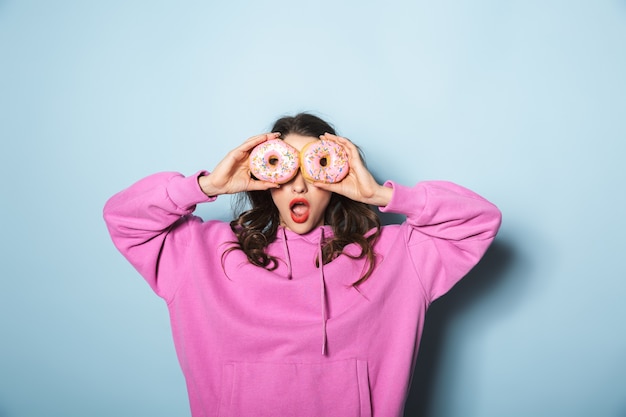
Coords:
pixel 522 101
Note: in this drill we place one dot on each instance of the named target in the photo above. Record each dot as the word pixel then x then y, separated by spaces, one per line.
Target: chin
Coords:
pixel 300 229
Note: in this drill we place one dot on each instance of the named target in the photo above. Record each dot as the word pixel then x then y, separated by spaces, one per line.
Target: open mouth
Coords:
pixel 299 208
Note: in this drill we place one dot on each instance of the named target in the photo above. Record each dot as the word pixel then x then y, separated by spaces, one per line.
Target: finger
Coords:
pixel 334 187
pixel 335 138
pixel 350 147
pixel 258 185
pixel 257 140
pixel 330 137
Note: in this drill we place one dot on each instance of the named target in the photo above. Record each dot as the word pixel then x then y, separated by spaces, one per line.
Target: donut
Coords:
pixel 274 161
pixel 324 161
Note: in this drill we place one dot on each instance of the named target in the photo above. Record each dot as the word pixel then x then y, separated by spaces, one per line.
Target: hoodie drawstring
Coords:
pixel 320 260
pixel 323 294
pixel 287 256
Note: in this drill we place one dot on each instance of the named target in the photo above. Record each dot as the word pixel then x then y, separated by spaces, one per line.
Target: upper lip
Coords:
pixel 296 201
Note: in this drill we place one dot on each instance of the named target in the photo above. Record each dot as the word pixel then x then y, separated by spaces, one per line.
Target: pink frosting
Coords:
pixel 336 165
pixel 274 161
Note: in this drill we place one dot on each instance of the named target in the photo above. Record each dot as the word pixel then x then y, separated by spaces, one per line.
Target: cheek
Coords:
pixel 277 196
pixel 281 201
pixel 324 201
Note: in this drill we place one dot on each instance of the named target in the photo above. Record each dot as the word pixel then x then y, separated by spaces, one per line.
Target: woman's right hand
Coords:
pixel 232 174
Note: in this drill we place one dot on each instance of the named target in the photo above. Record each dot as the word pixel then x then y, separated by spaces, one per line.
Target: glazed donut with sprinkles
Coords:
pixel 324 161
pixel 274 161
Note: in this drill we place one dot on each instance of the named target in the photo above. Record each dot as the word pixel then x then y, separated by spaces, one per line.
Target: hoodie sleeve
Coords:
pixel 140 217
pixel 448 230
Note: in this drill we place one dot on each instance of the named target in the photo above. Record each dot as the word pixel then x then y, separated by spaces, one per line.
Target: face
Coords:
pixel 301 206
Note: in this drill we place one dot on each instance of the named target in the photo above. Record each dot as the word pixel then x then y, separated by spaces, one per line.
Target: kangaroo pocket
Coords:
pixel 328 389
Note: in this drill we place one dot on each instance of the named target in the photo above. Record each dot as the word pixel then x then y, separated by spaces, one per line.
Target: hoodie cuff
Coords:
pixel 185 192
pixel 409 201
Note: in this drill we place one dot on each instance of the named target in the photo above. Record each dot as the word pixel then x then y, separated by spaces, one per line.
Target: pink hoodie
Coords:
pixel 299 340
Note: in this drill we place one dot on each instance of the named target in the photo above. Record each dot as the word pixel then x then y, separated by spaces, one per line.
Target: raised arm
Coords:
pixel 449 228
pixel 141 217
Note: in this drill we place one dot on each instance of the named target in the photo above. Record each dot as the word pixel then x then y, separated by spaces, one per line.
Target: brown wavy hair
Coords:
pixel 351 221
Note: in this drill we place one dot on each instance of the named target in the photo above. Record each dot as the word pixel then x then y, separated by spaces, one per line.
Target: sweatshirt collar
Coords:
pixel 312 237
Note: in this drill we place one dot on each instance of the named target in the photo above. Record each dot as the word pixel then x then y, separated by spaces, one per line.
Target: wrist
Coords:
pixel 206 185
pixel 382 196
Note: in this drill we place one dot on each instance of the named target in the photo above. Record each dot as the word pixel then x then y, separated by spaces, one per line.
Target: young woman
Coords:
pixel 303 305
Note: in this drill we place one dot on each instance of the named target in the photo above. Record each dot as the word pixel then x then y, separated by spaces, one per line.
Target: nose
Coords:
pixel 298 184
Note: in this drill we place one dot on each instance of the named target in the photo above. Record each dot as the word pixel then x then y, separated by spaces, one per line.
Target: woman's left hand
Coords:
pixel 359 184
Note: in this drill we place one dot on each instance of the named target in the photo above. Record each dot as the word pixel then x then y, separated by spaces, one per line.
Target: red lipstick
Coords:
pixel 299 210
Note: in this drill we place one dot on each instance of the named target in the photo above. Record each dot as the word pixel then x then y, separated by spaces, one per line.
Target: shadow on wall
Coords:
pixel 485 276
